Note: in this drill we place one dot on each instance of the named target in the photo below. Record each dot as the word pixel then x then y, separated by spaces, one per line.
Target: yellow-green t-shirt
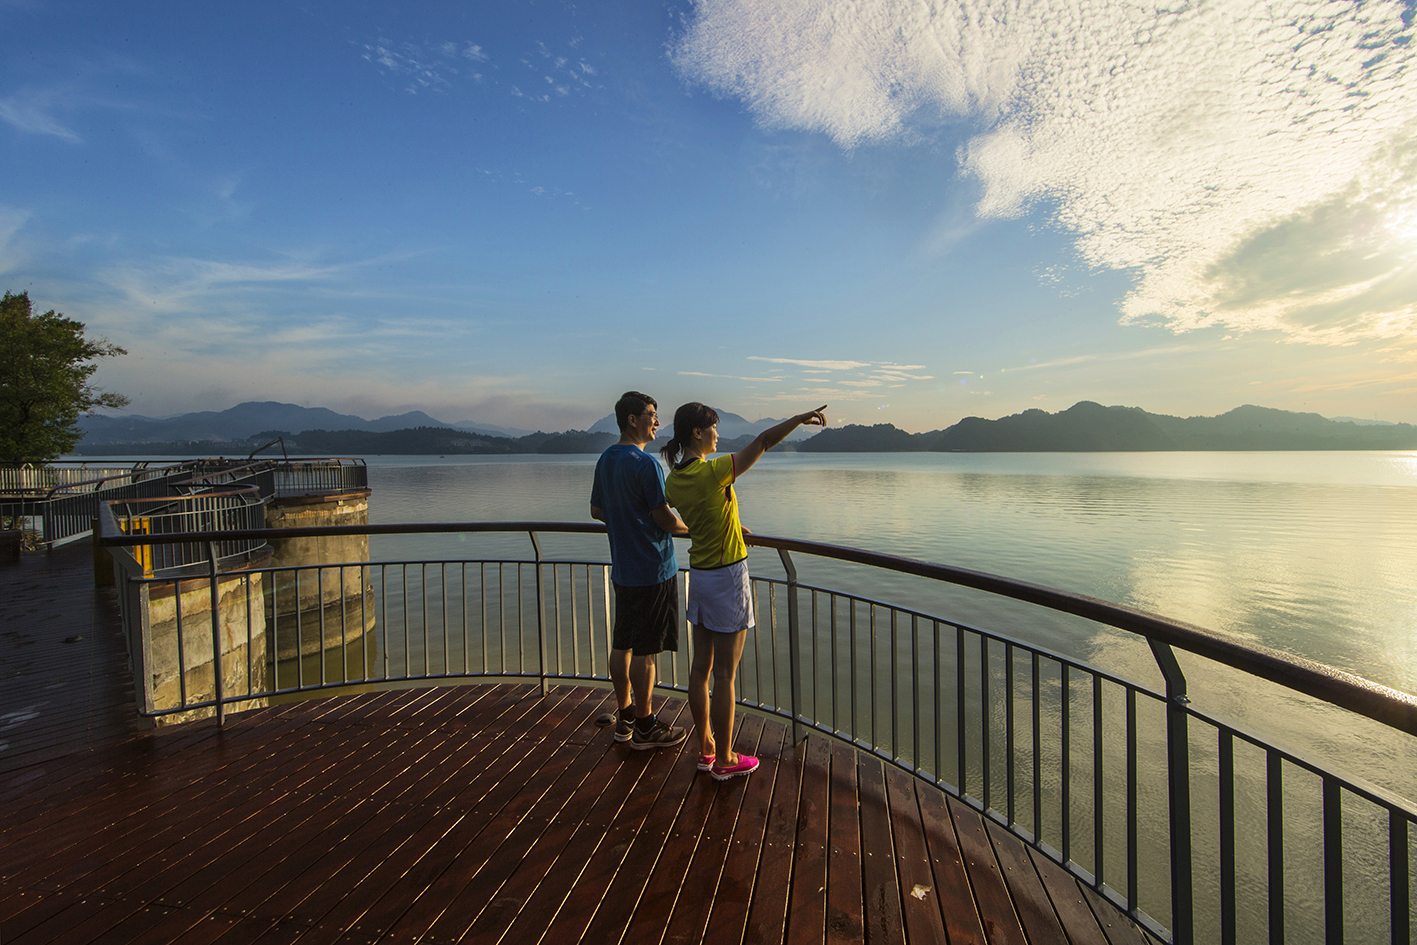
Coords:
pixel 702 492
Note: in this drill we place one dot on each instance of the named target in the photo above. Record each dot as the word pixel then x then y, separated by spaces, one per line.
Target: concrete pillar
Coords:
pixel 183 609
pixel 318 609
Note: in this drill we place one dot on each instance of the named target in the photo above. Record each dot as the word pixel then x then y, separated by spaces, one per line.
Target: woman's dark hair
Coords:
pixel 688 418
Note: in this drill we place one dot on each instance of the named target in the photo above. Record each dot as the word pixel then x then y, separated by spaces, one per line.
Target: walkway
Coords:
pixel 65 686
pixel 479 813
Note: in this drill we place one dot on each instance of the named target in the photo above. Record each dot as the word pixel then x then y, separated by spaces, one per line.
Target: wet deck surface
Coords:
pixel 484 813
pixel 64 680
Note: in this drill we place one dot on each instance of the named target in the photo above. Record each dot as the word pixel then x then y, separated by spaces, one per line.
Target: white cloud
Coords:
pixel 430 68
pixel 822 365
pixel 11 220
pixel 731 377
pixel 31 111
pixel 1253 165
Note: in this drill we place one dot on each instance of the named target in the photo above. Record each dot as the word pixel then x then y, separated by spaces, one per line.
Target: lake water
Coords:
pixel 1309 553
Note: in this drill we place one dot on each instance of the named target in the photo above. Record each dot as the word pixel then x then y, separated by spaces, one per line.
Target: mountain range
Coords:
pixel 1084 427
pixel 244 421
pixel 1091 427
pixel 241 423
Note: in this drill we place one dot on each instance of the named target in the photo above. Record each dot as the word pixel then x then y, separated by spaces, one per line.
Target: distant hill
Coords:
pixel 1090 427
pixel 730 426
pixel 416 441
pixel 243 421
pixel 1084 427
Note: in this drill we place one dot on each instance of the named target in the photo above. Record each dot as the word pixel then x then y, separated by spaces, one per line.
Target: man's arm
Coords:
pixel 666 519
pixel 597 513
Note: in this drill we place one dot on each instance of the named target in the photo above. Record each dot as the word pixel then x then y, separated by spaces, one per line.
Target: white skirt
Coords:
pixel 722 599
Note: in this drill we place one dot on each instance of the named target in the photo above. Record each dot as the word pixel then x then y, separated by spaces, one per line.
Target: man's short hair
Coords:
pixel 631 403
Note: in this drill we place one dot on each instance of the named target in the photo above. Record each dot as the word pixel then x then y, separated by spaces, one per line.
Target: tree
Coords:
pixel 45 366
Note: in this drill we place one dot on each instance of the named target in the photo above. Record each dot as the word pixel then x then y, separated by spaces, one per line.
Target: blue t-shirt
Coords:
pixel 629 483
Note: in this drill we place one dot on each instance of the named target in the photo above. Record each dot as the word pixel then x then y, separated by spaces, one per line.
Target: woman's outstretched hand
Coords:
pixel 815 418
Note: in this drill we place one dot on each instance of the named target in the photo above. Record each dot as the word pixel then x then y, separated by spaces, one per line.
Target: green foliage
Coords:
pixel 45 367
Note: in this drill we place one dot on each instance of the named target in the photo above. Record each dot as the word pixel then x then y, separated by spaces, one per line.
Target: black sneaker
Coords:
pixel 660 735
pixel 624 727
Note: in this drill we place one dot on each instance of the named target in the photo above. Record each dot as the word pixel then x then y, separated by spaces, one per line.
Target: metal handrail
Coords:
pixel 978 719
pixel 1391 707
pixel 65 511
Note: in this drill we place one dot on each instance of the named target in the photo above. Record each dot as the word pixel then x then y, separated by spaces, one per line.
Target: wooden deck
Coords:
pixel 64 681
pixel 486 813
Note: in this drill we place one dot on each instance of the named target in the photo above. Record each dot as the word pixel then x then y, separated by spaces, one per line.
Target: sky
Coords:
pixel 911 210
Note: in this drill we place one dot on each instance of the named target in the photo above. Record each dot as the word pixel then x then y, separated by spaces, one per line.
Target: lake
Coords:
pixel 1310 553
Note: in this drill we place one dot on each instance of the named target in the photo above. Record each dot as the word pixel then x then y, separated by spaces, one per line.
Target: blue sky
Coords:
pixel 510 213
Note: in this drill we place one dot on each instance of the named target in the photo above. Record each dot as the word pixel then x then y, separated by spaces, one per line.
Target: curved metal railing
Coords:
pixel 1093 769
pixel 60 503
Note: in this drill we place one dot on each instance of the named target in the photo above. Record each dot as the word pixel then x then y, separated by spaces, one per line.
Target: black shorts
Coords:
pixel 647 618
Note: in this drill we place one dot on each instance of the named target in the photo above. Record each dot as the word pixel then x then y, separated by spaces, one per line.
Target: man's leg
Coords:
pixel 620 680
pixel 642 683
pixel 620 676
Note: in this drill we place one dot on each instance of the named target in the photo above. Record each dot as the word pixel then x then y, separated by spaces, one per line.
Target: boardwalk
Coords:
pixel 487 813
pixel 64 680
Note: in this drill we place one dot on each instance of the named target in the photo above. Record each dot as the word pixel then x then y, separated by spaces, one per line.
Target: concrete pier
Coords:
pixel 318 605
pixel 240 635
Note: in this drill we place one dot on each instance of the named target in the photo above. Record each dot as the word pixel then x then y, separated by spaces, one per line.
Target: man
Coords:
pixel 628 496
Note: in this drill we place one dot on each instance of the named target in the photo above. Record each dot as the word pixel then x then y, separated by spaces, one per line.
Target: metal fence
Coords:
pixel 60 501
pixel 193 516
pixel 1200 830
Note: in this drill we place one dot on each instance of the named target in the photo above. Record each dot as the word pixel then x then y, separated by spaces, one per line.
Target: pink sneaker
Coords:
pixel 747 764
pixel 705 762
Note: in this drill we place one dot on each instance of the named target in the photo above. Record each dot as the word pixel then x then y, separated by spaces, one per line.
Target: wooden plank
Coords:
pixel 504 797
pixel 1068 902
pixel 531 896
pixel 924 922
pixel 694 905
pixel 76 912
pixel 996 907
pixel 614 845
pixel 881 915
pixel 767 917
pixel 807 904
pixel 588 872
pixel 546 826
pixel 952 888
pixel 661 890
pixel 23 909
pixel 640 864
pixel 1119 928
pixel 1031 902
pixel 131 840
pixel 844 908
pixel 733 896
pixel 349 911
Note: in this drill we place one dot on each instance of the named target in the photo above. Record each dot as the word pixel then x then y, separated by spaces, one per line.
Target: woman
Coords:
pixel 720 608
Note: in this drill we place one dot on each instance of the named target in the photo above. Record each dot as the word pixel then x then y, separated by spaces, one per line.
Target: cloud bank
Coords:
pixel 1254 166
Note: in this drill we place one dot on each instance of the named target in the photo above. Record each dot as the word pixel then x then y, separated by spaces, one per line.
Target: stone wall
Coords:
pixel 301 602
pixel 241 626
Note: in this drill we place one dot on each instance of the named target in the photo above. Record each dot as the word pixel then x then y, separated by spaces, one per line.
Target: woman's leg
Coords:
pixel 699 669
pixel 727 649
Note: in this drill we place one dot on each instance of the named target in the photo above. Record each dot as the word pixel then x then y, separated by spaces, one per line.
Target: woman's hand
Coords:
pixel 814 418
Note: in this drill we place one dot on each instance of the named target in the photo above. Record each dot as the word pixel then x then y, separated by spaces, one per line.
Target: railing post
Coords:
pixel 794 659
pixel 1179 784
pixel 217 681
pixel 540 612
